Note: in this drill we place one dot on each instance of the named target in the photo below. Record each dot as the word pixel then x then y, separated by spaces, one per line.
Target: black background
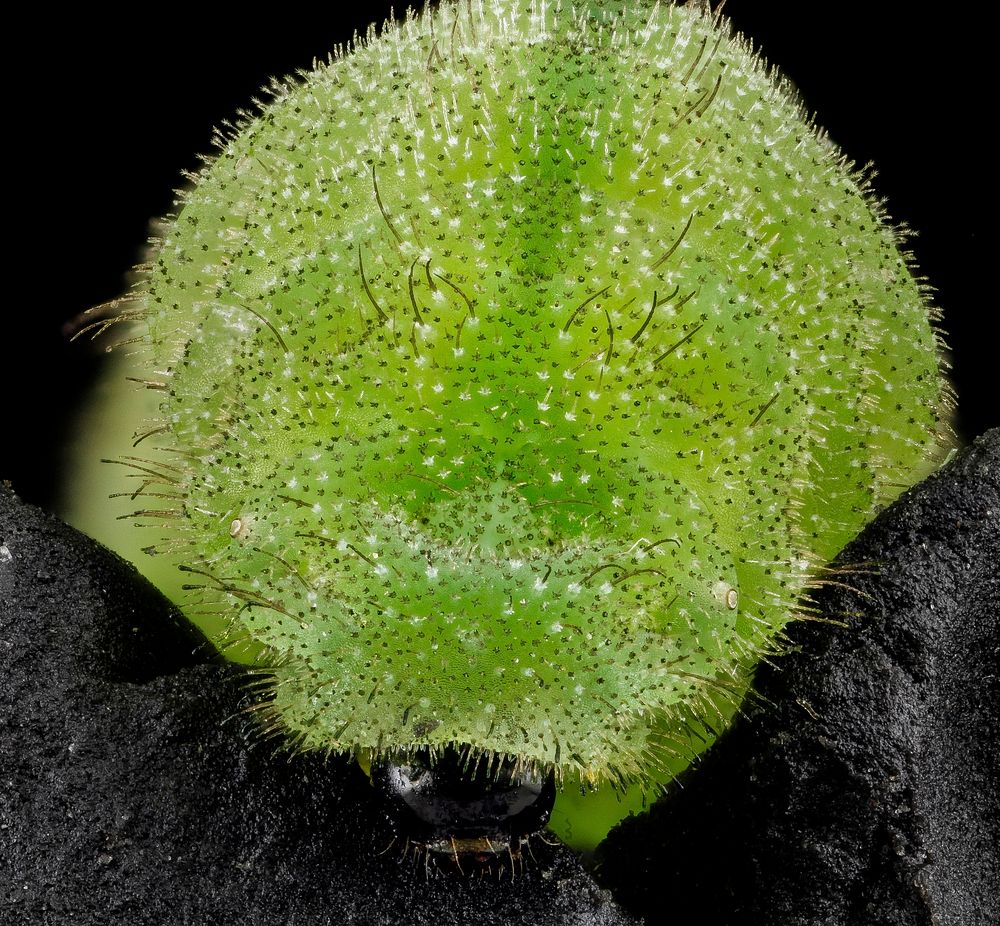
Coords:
pixel 108 109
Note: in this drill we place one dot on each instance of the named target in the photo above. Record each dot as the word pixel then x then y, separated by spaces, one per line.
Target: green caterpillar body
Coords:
pixel 519 370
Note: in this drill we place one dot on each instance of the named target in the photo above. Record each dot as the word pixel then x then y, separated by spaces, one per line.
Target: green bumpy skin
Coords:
pixel 520 369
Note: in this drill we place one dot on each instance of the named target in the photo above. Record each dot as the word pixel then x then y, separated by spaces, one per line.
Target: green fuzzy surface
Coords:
pixel 517 373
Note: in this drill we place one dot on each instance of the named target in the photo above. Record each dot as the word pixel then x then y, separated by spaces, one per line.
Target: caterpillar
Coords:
pixel 511 377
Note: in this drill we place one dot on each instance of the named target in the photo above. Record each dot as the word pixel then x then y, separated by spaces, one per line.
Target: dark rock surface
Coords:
pixel 868 790
pixel 865 793
pixel 129 796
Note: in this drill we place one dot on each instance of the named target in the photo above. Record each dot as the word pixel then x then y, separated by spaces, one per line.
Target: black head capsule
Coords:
pixel 460 809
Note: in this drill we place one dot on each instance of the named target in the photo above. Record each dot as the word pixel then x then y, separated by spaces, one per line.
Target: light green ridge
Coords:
pixel 519 371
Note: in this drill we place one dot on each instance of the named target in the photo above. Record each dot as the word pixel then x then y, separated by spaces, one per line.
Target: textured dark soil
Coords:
pixel 866 787
pixel 862 790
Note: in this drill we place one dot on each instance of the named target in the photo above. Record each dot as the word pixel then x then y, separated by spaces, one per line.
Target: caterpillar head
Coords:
pixel 516 372
pixel 460 810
